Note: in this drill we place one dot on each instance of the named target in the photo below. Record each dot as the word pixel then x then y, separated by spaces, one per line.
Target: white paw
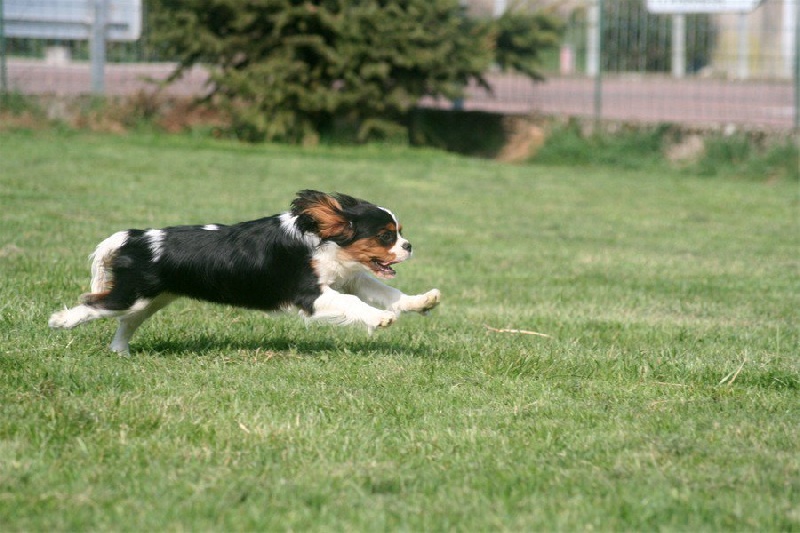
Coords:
pixel 386 319
pixel 423 303
pixel 432 299
pixel 382 319
pixel 63 319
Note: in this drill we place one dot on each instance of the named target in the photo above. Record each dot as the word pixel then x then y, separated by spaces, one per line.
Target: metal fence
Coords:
pixel 618 61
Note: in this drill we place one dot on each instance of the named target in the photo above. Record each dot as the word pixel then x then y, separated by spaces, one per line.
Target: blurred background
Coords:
pixel 731 65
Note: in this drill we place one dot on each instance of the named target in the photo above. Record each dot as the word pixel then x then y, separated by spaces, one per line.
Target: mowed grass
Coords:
pixel 666 395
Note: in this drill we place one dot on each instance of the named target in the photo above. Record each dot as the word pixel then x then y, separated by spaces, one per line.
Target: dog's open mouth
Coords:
pixel 381 269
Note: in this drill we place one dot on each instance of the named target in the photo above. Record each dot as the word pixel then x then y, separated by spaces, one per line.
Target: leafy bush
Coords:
pixel 744 156
pixel 16 103
pixel 631 147
pixel 521 37
pixel 290 70
pixel 286 69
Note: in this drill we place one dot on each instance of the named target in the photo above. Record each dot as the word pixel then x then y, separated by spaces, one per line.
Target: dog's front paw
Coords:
pixel 432 299
pixel 381 319
pixel 423 303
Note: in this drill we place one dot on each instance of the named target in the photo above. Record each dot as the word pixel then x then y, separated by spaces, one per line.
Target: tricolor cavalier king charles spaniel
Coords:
pixel 317 258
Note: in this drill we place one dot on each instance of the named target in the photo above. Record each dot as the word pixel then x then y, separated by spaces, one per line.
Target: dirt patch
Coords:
pixel 25 120
pixel 114 115
pixel 688 150
pixel 523 140
pixel 509 138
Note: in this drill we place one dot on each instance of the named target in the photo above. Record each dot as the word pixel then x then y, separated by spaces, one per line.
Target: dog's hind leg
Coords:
pixel 129 323
pixel 70 318
pixel 118 302
pixel 96 304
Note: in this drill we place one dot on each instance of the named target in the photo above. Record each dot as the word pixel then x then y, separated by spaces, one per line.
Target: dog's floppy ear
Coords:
pixel 322 214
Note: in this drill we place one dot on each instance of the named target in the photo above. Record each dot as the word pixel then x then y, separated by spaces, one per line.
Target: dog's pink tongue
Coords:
pixel 386 272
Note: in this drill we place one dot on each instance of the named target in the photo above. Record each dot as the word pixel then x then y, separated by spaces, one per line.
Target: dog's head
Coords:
pixel 366 233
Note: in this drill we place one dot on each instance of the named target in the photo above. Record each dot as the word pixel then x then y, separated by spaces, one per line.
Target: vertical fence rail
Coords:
pixel 3 64
pixel 97 44
pixel 598 49
pixel 797 70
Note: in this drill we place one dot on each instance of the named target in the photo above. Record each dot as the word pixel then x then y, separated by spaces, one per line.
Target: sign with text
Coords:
pixel 71 19
pixel 701 6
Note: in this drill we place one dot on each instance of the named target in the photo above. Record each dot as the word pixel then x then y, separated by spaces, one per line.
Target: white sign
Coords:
pixel 701 6
pixel 70 19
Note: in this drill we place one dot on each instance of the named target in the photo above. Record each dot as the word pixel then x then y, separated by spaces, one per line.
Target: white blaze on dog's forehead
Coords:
pixel 156 238
pixel 398 249
pixel 211 227
pixel 394 218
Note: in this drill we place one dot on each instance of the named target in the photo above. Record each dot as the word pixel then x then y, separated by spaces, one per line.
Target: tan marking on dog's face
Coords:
pixel 379 252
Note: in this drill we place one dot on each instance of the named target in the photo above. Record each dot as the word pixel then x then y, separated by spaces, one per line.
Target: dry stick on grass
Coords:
pixel 730 378
pixel 519 331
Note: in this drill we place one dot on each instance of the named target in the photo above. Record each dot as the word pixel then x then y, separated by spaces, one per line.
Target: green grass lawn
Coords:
pixel 666 397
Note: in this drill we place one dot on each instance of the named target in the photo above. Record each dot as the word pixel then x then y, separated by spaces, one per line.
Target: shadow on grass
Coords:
pixel 202 345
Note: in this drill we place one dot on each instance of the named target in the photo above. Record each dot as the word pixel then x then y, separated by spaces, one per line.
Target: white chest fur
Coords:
pixel 333 267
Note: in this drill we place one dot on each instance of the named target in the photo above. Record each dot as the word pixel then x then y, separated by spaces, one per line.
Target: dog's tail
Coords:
pixel 102 275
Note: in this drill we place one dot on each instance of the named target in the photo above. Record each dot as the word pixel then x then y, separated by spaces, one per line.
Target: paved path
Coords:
pixel 71 79
pixel 702 102
pixel 652 99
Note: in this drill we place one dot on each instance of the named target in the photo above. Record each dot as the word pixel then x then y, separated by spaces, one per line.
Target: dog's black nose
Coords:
pixel 407 246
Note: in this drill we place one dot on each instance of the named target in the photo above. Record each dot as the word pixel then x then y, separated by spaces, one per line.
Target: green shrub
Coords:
pixel 17 104
pixel 292 71
pixel 743 156
pixel 286 70
pixel 746 157
pixel 520 38
pixel 631 147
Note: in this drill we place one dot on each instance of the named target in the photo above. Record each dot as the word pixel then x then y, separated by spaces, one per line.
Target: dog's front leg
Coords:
pixel 372 290
pixel 342 309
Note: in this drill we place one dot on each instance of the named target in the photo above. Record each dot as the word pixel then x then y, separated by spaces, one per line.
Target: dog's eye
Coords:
pixel 387 237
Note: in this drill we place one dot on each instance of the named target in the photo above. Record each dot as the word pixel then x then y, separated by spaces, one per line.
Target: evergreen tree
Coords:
pixel 520 37
pixel 286 69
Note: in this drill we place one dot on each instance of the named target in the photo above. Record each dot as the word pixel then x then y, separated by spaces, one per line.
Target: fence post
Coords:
pixel 3 66
pixel 797 72
pixel 98 46
pixel 789 36
pixel 742 61
pixel 678 45
pixel 593 39
pixel 598 50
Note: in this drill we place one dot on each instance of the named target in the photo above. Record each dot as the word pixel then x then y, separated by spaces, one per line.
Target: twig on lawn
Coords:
pixel 670 384
pixel 519 331
pixel 657 403
pixel 730 378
